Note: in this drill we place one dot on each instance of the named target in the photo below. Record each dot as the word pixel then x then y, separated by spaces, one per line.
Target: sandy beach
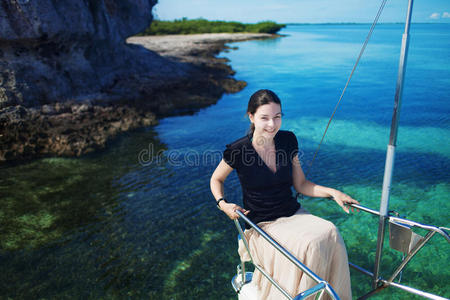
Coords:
pixel 190 45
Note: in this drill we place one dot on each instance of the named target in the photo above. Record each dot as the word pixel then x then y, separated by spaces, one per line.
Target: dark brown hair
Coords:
pixel 259 98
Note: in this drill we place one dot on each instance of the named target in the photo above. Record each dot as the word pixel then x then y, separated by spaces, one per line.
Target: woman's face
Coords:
pixel 267 120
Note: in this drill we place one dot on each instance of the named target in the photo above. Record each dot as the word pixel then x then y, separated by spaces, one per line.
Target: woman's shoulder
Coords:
pixel 239 143
pixel 233 154
pixel 286 134
pixel 287 138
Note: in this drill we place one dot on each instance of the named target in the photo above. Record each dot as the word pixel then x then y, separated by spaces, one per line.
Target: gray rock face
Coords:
pixel 33 20
pixel 69 81
pixel 58 50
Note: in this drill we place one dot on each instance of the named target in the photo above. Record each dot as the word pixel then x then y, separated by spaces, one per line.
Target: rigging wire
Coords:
pixel 375 21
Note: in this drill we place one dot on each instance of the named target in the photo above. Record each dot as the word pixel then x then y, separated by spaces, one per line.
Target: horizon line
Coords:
pixel 361 23
pixel 305 23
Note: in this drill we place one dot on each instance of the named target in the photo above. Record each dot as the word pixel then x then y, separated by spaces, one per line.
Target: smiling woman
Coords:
pixel 266 181
pixel 268 118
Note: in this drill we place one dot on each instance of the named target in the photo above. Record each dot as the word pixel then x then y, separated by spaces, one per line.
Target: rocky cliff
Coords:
pixel 67 75
pixel 59 50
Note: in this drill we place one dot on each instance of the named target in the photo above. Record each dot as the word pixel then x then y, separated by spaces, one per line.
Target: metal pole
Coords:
pixel 389 166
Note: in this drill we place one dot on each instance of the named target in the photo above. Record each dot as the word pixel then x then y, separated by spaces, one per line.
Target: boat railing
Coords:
pixel 244 277
pixel 403 239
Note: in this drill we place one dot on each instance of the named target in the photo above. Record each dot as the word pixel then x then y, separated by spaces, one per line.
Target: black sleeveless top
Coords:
pixel 267 195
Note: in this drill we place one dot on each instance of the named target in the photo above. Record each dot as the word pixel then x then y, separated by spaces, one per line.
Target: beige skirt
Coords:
pixel 313 240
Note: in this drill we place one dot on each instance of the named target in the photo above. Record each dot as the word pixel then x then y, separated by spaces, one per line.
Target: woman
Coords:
pixel 267 164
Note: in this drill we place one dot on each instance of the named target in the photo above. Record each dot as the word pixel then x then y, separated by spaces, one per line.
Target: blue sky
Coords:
pixel 302 11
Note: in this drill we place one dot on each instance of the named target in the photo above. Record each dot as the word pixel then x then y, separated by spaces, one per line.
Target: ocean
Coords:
pixel 137 220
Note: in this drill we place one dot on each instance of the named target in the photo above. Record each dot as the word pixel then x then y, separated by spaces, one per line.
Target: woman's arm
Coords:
pixel 308 188
pixel 216 183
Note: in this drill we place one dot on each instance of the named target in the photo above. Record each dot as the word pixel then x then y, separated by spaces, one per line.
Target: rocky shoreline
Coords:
pixel 194 79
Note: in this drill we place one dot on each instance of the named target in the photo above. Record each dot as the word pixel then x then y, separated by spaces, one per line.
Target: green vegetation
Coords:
pixel 185 26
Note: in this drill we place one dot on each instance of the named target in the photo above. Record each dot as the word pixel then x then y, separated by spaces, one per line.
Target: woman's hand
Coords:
pixel 343 200
pixel 230 209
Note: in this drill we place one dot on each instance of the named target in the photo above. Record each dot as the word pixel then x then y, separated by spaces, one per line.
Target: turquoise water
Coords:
pixel 138 221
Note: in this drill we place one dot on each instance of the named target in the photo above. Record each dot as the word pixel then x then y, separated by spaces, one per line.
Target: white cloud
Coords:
pixel 445 15
pixel 435 16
